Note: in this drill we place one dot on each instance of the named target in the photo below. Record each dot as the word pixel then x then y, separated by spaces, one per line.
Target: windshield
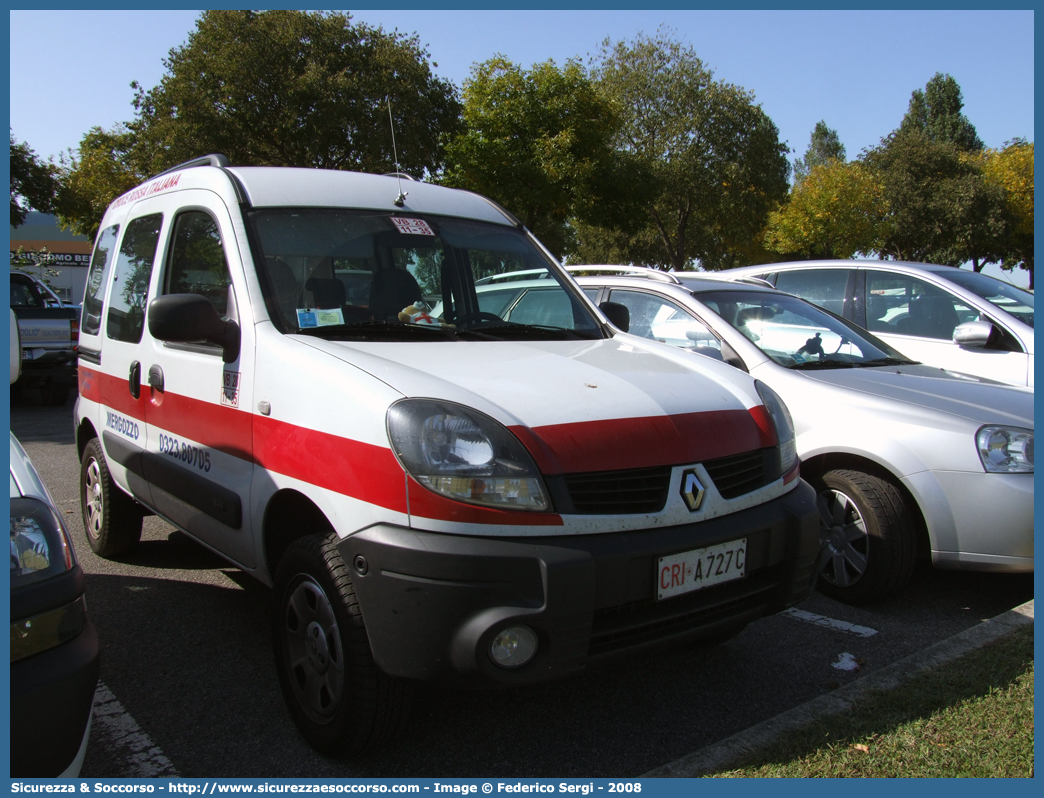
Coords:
pixel 1007 297
pixel 367 275
pixel 797 334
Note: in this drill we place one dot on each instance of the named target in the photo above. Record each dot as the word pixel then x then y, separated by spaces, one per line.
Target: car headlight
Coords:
pixel 783 423
pixel 465 455
pixel 1006 450
pixel 41 550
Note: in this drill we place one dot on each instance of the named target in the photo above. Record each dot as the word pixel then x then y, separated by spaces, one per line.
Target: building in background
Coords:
pixel 66 273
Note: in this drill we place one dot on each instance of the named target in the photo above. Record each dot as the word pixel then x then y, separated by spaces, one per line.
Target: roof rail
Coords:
pixel 401 175
pixel 213 159
pixel 535 274
pixel 626 271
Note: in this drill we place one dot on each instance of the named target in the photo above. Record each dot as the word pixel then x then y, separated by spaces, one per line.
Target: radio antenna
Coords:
pixel 401 199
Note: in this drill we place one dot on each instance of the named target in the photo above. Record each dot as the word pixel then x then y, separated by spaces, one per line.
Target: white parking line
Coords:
pixel 124 739
pixel 830 623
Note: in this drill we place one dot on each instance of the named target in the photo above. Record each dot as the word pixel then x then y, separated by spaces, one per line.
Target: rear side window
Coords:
pixel 823 287
pixel 24 294
pixel 197 260
pixel 903 305
pixel 97 279
pixel 130 290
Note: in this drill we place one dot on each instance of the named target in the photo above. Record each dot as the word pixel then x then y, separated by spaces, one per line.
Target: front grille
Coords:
pixel 739 474
pixel 641 490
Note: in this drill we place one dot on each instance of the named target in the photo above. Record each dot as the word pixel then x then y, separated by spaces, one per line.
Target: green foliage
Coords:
pixel 936 113
pixel 1012 169
pixel 277 88
pixel 33 183
pixel 539 143
pixel 105 168
pixel 836 211
pixel 706 163
pixel 293 88
pixel 823 147
pixel 941 207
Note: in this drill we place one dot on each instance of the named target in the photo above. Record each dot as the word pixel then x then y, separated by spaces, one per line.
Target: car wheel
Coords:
pixel 56 393
pixel 869 537
pixel 111 518
pixel 337 696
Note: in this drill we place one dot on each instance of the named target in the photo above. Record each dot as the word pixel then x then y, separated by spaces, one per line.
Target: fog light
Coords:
pixel 513 646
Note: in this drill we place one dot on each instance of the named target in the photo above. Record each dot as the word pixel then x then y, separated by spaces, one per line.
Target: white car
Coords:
pixel 953 318
pixel 908 459
pixel 476 499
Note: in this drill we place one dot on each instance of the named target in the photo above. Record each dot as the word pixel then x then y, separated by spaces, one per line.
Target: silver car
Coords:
pixel 907 458
pixel 952 318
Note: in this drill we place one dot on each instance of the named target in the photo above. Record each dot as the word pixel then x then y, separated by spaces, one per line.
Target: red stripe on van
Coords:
pixel 352 468
pixel 625 443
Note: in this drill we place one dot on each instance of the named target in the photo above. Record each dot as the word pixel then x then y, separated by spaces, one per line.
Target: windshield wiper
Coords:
pixel 368 329
pixel 888 361
pixel 813 365
pixel 541 330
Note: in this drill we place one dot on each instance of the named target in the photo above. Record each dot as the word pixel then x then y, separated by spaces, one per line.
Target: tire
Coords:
pixel 338 698
pixel 869 538
pixel 111 518
pixel 56 392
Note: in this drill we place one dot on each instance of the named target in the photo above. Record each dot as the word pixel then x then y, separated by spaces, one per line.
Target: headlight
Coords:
pixel 464 454
pixel 783 423
pixel 1006 450
pixel 40 547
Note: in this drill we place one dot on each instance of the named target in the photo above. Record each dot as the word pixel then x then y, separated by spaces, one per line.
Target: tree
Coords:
pixel 539 142
pixel 105 168
pixel 708 162
pixel 1012 169
pixel 936 113
pixel 941 209
pixel 33 183
pixel 823 147
pixel 836 211
pixel 293 88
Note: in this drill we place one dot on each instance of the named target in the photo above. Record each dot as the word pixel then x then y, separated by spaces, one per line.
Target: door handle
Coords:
pixel 134 379
pixel 156 377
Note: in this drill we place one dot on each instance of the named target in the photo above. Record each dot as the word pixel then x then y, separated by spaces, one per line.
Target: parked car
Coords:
pixel 476 501
pixel 49 333
pixel 956 319
pixel 906 458
pixel 54 645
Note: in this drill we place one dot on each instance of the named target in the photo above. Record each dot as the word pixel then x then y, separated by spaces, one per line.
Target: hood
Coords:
pixel 582 405
pixel 979 400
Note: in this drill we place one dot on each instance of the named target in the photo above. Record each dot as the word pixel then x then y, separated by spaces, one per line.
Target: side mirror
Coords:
pixel 191 318
pixel 973 334
pixel 619 316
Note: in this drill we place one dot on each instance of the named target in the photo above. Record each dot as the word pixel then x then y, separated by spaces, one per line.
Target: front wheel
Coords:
pixel 337 697
pixel 869 537
pixel 111 518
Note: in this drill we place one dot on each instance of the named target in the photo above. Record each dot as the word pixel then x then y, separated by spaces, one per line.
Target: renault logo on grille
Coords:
pixel 692 490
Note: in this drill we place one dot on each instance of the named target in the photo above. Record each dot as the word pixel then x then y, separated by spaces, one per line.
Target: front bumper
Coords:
pixel 977 521
pixel 432 603
pixel 52 694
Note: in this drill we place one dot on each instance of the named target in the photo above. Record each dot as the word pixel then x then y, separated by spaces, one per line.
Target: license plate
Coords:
pixel 699 568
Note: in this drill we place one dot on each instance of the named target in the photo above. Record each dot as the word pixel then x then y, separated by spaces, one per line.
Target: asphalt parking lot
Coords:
pixel 190 688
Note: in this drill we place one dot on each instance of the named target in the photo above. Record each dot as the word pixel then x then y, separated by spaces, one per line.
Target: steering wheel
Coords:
pixel 477 316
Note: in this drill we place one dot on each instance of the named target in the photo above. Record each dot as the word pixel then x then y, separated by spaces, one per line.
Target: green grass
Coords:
pixel 972 717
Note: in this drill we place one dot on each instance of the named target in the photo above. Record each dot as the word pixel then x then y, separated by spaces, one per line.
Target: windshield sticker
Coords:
pixel 413 227
pixel 316 317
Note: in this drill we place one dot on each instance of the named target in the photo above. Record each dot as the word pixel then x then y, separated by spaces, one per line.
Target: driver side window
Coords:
pixel 661 320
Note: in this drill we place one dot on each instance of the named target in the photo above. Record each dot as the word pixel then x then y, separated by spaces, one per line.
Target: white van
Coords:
pixel 458 498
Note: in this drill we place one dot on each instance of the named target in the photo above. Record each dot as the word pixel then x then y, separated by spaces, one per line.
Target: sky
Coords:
pixel 855 70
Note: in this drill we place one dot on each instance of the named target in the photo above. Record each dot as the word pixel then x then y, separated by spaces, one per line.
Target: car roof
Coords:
pixel 285 186
pixel 685 283
pixel 843 263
